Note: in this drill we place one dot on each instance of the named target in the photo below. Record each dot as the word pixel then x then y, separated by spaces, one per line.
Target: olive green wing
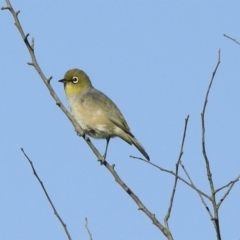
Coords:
pixel 108 106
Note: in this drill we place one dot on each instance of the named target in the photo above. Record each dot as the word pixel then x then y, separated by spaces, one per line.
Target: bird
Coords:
pixel 96 113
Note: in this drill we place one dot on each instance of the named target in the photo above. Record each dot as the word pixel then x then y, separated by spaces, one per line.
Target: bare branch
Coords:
pixel 86 225
pixel 78 129
pixel 234 40
pixel 173 173
pixel 209 174
pixel 228 184
pixel 35 64
pixel 207 163
pixel 176 175
pixel 141 206
pixel 46 194
pixel 200 195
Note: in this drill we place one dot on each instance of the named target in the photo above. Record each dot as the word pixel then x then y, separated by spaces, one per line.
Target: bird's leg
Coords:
pixel 105 154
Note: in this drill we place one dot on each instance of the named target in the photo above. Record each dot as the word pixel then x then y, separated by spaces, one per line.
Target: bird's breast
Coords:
pixel 92 119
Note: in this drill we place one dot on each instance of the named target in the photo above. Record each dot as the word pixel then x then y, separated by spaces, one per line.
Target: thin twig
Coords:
pixel 167 216
pixel 173 173
pixel 46 194
pixel 228 184
pixel 209 174
pixel 200 195
pixel 207 163
pixel 191 184
pixel 176 175
pixel 89 233
pixel 141 206
pixel 234 40
pixel 231 184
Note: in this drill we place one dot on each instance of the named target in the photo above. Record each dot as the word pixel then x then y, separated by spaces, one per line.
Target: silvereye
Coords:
pixel 96 114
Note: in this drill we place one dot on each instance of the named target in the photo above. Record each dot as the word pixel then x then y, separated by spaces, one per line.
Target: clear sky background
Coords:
pixel 154 59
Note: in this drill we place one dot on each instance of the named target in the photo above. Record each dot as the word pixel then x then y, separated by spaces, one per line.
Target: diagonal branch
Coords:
pixel 228 184
pixel 234 40
pixel 141 206
pixel 78 129
pixel 88 230
pixel 200 195
pixel 46 194
pixel 46 81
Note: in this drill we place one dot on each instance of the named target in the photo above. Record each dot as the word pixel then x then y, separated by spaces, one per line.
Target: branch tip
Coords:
pixel 5 8
pixel 234 40
pixel 88 230
pixel 49 79
pixel 27 35
pixel 25 39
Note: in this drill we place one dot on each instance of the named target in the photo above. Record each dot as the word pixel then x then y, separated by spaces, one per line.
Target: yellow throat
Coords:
pixel 75 81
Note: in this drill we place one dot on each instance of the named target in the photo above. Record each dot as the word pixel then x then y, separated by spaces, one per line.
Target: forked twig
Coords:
pixel 191 185
pixel 200 195
pixel 230 186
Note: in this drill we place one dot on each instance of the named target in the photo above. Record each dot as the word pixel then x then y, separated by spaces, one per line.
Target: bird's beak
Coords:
pixel 63 81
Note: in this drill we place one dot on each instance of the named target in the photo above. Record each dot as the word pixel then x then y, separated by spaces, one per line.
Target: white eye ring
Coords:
pixel 75 79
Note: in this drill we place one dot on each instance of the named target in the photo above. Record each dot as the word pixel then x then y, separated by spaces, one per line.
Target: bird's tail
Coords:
pixel 139 147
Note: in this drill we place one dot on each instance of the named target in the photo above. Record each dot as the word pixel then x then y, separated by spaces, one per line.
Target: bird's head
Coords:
pixel 75 81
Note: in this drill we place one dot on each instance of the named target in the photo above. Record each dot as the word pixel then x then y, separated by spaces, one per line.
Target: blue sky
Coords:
pixel 154 59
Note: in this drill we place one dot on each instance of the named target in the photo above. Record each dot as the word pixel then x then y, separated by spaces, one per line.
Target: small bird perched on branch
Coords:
pixel 96 114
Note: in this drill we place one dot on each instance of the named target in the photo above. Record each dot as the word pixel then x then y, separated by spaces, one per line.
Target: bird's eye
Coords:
pixel 75 79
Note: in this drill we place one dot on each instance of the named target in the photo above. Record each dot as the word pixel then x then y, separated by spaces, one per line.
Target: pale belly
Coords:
pixel 94 123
